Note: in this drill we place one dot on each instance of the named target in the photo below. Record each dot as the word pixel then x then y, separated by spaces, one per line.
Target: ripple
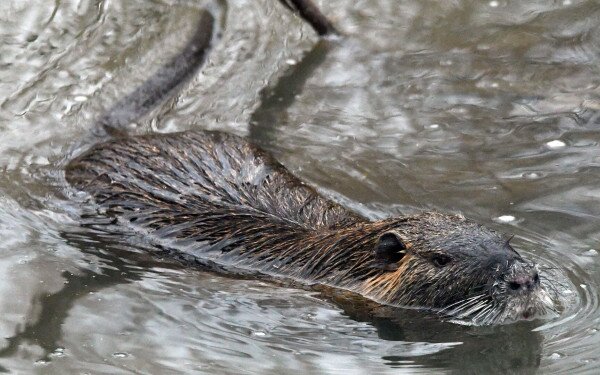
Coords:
pixel 482 108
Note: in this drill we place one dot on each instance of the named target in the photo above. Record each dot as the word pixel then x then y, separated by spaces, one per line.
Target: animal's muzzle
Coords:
pixel 523 281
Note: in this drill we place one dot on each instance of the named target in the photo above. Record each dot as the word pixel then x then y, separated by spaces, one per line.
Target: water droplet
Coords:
pixel 590 253
pixel 532 175
pixel 258 333
pixel 58 352
pixel 505 218
pixel 40 160
pixel 433 126
pixel 291 62
pixel 555 356
pixel 583 286
pixel 494 4
pixel 120 355
pixel 555 144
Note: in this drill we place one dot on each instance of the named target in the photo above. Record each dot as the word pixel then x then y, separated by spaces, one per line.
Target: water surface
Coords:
pixel 485 108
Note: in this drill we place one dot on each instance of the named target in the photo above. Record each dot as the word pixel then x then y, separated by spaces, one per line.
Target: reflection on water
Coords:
pixel 487 108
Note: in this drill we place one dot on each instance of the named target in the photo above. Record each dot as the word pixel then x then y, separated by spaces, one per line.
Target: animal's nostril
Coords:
pixel 523 282
pixel 513 285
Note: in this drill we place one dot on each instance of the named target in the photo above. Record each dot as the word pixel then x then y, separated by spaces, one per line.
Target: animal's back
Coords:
pixel 201 186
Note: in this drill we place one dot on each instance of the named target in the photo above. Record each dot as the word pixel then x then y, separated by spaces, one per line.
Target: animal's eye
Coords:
pixel 440 260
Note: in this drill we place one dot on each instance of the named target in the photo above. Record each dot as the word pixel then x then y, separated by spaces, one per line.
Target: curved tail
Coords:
pixel 159 87
pixel 311 14
pixel 181 67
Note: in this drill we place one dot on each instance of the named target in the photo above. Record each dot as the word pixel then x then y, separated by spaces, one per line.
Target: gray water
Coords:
pixel 489 108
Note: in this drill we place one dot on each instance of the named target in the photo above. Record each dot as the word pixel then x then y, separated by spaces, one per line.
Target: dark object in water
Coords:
pixel 311 14
pixel 234 205
pixel 240 208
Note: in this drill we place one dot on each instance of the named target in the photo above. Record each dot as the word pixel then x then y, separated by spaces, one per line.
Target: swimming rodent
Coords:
pixel 224 200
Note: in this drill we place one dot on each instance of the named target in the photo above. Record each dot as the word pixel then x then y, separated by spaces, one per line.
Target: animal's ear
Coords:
pixel 389 250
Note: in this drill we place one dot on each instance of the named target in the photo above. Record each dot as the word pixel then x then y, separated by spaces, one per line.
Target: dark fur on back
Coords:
pixel 234 201
pixel 198 173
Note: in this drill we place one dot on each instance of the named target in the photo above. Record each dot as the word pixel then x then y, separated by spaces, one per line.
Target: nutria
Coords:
pixel 224 200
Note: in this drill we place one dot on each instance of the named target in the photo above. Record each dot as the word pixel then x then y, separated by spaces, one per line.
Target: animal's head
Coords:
pixel 450 264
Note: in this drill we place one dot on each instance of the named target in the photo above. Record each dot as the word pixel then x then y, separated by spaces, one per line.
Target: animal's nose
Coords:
pixel 524 282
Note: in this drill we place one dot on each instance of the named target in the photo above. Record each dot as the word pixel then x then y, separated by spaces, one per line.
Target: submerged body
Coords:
pixel 218 199
pixel 233 204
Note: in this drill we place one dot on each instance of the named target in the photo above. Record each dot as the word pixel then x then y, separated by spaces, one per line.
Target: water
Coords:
pixel 485 108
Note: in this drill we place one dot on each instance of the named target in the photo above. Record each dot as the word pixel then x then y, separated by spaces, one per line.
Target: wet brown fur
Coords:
pixel 220 192
pixel 217 198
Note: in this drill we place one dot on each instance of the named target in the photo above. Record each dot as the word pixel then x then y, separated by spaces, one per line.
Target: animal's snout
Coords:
pixel 524 282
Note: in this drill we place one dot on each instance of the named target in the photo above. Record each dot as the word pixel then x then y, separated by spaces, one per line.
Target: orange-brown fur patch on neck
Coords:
pixel 382 287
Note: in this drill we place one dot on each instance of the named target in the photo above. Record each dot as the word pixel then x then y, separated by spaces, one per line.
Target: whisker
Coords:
pixel 462 303
pixel 481 313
